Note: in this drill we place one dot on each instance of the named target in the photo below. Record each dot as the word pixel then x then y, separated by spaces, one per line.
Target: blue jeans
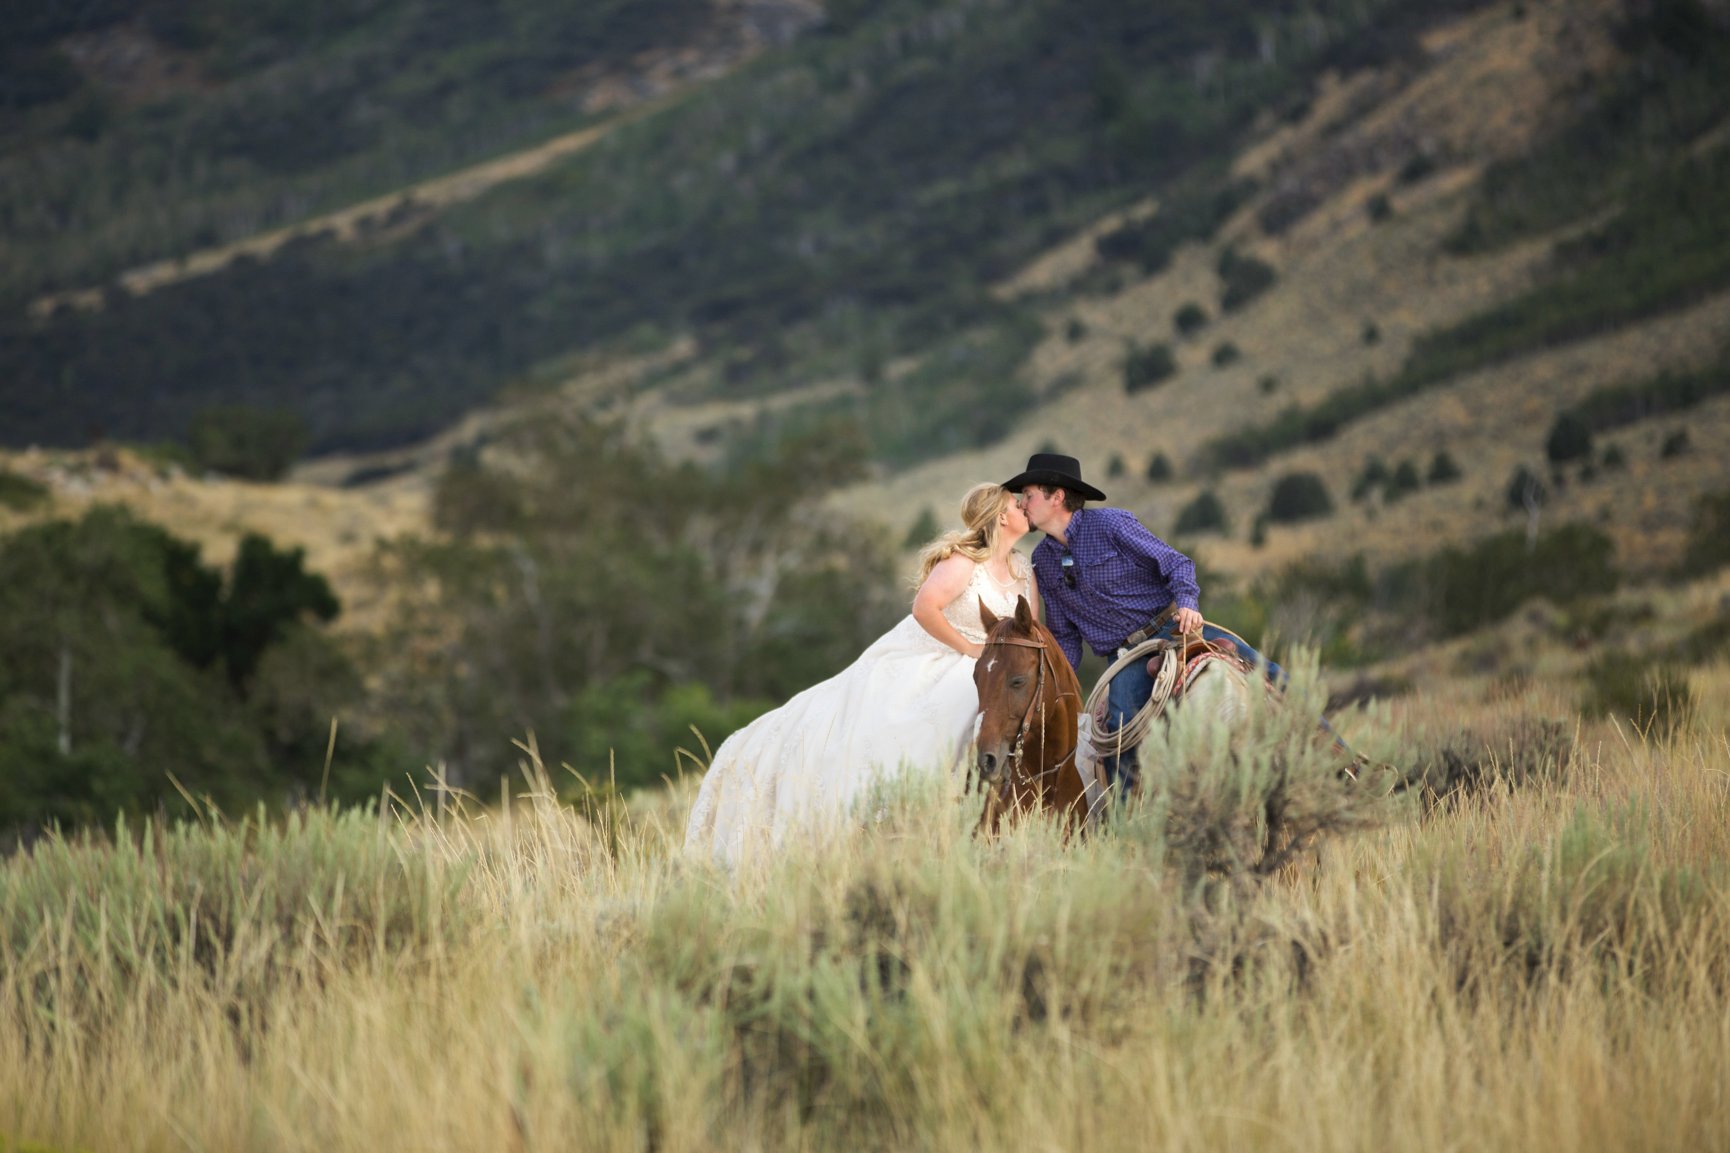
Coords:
pixel 1132 688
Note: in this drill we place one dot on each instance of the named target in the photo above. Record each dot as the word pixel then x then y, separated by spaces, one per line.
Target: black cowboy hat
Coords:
pixel 1057 470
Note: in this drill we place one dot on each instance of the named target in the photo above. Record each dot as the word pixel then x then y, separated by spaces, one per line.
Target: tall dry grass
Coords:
pixel 1542 961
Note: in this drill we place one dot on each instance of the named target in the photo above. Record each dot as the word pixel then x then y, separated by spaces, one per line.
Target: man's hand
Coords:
pixel 1186 621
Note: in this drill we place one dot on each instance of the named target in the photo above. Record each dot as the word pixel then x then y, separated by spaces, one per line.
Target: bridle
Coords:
pixel 1018 746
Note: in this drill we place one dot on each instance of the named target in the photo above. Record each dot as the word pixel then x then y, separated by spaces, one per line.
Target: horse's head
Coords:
pixel 1029 703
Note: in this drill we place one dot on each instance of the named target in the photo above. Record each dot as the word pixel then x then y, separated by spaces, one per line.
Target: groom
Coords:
pixel 1105 579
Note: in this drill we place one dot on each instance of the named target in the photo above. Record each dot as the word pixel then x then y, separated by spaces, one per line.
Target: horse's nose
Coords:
pixel 987 764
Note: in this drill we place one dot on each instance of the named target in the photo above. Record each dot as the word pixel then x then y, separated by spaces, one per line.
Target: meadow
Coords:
pixel 1514 933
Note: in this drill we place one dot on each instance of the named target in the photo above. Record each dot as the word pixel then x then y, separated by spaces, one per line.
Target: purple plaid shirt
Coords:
pixel 1124 576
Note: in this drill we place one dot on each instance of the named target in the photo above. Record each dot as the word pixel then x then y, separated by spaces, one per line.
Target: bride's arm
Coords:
pixel 946 582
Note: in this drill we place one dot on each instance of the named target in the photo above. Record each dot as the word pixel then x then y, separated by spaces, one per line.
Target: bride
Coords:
pixel 906 705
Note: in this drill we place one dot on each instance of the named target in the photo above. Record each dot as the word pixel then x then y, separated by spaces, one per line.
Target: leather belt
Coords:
pixel 1150 628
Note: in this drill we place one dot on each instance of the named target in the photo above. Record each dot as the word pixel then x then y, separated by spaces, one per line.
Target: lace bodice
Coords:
pixel 963 611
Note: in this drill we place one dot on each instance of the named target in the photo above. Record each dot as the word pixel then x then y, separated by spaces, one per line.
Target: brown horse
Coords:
pixel 1029 706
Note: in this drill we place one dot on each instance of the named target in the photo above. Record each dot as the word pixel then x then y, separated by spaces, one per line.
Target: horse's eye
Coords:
pixel 1017 682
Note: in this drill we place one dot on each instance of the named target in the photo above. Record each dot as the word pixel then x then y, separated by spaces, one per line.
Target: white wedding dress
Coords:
pixel 906 705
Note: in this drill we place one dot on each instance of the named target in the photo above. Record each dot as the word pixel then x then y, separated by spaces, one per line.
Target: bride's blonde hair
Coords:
pixel 980 508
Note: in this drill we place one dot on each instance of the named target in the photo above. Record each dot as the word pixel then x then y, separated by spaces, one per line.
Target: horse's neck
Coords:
pixel 1062 672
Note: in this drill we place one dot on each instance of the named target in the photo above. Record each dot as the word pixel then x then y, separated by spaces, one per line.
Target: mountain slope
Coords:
pixel 1366 271
pixel 1357 195
pixel 836 204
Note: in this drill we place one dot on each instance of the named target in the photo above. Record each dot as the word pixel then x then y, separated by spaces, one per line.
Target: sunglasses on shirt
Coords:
pixel 1068 572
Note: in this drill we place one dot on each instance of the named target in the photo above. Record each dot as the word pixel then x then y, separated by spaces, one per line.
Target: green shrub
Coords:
pixel 1670 391
pixel 1403 482
pixel 1192 210
pixel 922 530
pixel 1652 695
pixel 1226 353
pixel 1443 470
pixel 1371 335
pixel 1204 514
pixel 1380 208
pixel 1675 444
pixel 620 733
pixel 1485 582
pixel 1074 330
pixel 1145 368
pixel 1243 279
pixel 1524 751
pixel 1525 488
pixel 1158 468
pixel 250 443
pixel 1614 460
pixel 1115 467
pixel 1705 643
pixel 1595 897
pixel 1190 319
pixel 1299 496
pixel 1268 384
pixel 19 492
pixel 1419 166
pixel 1709 540
pixel 1374 475
pixel 1569 439
pixel 185 896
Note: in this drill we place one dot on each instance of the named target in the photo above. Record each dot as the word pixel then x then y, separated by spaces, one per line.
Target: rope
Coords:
pixel 1165 683
pixel 1134 730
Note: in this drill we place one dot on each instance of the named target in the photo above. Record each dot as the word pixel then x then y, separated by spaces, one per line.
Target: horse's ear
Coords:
pixel 1023 614
pixel 986 616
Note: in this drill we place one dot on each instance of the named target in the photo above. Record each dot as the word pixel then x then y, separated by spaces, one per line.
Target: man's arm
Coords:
pixel 1164 564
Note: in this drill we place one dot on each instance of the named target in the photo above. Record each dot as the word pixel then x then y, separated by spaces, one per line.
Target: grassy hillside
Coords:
pixel 1538 961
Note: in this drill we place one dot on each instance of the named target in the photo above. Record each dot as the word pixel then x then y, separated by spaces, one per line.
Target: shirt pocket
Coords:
pixel 1101 570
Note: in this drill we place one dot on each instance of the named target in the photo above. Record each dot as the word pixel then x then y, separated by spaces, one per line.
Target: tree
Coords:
pixel 577 560
pixel 1403 482
pixel 128 660
pixel 1243 278
pixel 1373 476
pixel 20 493
pixel 250 443
pixel 1443 470
pixel 923 528
pixel 1299 496
pixel 1709 539
pixel 1487 581
pixel 268 591
pixel 1570 439
pixel 1189 319
pixel 1145 368
pixel 1203 514
pixel 98 702
pixel 1526 493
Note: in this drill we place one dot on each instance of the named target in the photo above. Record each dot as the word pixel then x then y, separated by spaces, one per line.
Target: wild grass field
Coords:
pixel 1539 960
